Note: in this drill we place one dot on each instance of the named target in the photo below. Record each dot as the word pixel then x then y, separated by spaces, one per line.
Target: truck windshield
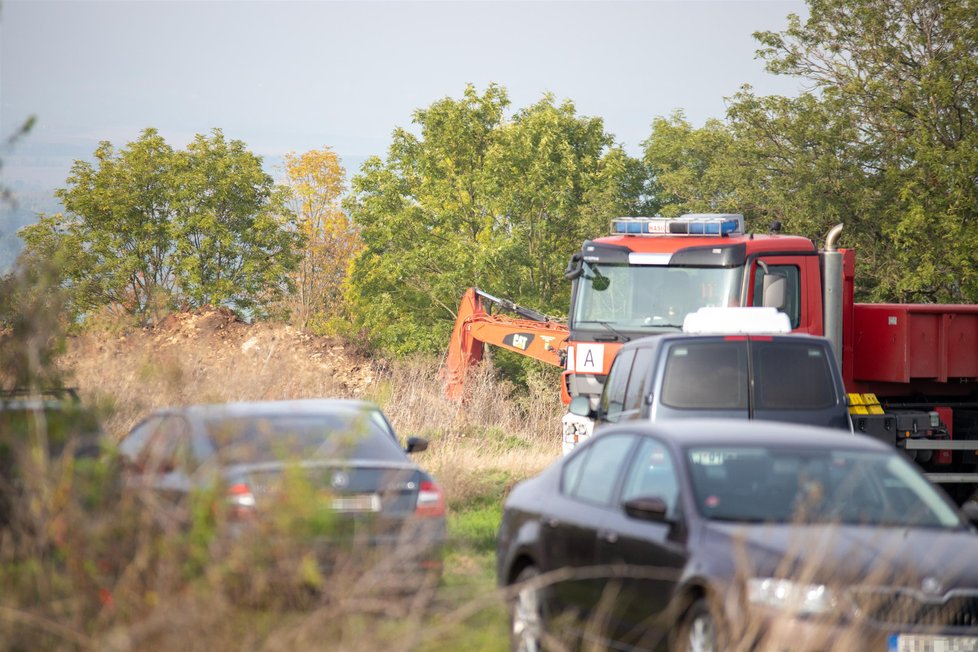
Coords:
pixel 631 297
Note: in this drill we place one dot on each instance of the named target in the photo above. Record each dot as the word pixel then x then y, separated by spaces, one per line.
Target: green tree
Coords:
pixel 149 227
pixel 479 199
pixel 119 215
pixel 689 167
pixel 907 74
pixel 537 176
pixel 885 140
pixel 231 245
pixel 424 223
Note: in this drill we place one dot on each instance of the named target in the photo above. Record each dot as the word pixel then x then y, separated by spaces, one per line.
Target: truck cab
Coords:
pixel 775 377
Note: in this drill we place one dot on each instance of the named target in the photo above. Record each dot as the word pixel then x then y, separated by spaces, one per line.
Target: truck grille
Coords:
pixel 906 607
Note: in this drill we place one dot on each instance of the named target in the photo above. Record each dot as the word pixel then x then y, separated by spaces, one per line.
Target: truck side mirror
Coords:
pixel 774 290
pixel 580 406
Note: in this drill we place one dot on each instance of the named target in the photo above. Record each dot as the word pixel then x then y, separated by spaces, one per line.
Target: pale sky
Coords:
pixel 292 76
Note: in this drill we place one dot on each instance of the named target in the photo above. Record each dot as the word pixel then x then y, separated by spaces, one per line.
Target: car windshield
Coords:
pixel 341 435
pixel 782 485
pixel 631 297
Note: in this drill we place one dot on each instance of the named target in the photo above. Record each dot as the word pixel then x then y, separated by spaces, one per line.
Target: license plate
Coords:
pixel 922 643
pixel 357 503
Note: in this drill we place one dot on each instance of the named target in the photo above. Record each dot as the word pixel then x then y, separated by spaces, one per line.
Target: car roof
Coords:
pixel 311 406
pixel 684 433
pixel 659 340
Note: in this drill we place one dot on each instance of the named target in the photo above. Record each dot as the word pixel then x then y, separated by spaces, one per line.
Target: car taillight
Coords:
pixel 431 501
pixel 241 501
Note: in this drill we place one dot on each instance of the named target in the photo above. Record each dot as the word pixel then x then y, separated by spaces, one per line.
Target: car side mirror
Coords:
pixel 647 508
pixel 416 445
pixel 580 406
pixel 970 511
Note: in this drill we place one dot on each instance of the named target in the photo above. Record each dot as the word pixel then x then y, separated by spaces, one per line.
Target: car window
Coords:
pixel 137 438
pixel 639 379
pixel 602 467
pixel 182 454
pixel 571 473
pixel 706 375
pixel 652 475
pixel 792 375
pixel 341 435
pixel 168 448
pixel 613 398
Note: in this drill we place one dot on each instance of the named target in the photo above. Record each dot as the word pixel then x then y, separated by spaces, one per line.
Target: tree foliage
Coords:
pixel 885 140
pixel 478 198
pixel 316 182
pixel 147 227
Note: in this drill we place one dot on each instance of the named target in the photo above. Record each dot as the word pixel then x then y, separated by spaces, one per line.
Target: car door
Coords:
pixel 570 523
pixel 165 463
pixel 649 555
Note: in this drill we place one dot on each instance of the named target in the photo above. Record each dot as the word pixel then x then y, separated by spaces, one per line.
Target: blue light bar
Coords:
pixel 699 224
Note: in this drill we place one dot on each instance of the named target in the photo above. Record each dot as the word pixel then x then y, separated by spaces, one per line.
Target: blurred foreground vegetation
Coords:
pixel 88 565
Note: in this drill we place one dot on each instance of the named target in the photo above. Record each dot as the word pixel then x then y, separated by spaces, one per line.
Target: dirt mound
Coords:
pixel 210 355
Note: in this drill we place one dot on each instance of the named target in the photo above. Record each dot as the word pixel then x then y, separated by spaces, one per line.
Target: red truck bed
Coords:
pixel 911 343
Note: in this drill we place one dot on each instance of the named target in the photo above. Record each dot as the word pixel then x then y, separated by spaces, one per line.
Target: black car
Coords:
pixel 55 416
pixel 723 534
pixel 340 458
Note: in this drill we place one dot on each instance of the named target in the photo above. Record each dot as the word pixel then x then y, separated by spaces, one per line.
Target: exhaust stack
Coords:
pixel 832 290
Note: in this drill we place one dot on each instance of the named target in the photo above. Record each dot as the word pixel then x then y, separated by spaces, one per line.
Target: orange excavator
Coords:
pixel 529 333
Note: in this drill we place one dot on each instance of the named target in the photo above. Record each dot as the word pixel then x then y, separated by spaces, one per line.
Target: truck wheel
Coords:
pixel 526 615
pixel 699 630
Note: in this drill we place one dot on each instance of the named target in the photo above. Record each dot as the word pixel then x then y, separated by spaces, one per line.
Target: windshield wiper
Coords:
pixel 609 327
pixel 678 327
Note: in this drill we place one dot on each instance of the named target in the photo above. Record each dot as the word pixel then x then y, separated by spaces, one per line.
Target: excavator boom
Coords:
pixel 531 333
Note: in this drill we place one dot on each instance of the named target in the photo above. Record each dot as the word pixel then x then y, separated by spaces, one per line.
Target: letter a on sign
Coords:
pixel 590 358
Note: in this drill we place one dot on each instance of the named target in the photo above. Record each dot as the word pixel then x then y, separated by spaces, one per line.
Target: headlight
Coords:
pixel 802 599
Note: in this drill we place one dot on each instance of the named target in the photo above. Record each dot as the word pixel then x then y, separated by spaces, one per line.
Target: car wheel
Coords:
pixel 527 614
pixel 699 631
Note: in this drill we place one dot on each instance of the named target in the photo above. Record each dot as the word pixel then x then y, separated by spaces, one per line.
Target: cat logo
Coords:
pixel 519 341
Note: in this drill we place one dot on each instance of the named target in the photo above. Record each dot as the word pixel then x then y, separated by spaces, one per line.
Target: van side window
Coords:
pixel 613 398
pixel 639 384
pixel 706 376
pixel 792 295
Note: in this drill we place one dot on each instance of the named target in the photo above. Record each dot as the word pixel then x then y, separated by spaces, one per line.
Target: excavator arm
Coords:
pixel 530 333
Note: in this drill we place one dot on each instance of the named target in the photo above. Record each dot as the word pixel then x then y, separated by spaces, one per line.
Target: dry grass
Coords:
pixel 174 592
pixel 207 357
